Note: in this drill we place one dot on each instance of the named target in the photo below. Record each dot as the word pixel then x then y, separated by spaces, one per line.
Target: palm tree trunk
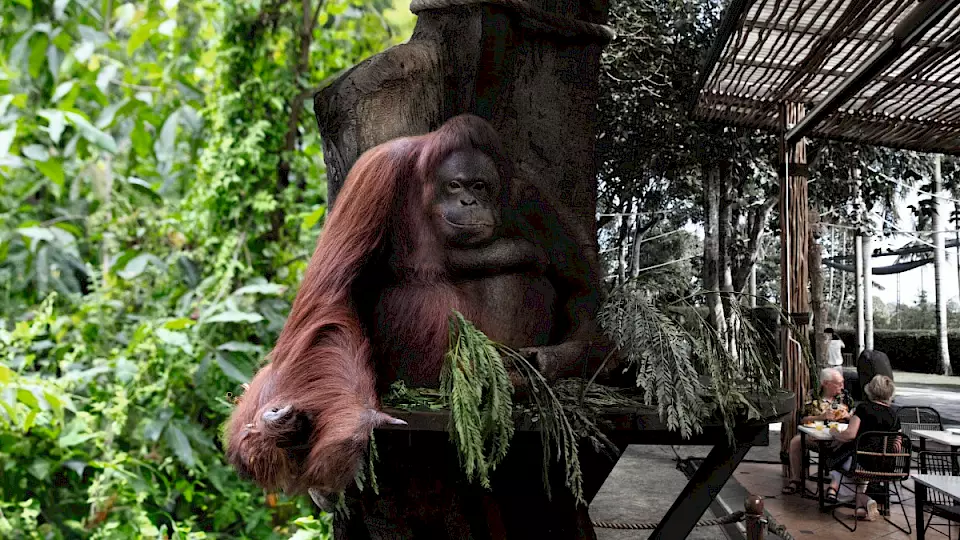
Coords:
pixel 843 280
pixel 939 254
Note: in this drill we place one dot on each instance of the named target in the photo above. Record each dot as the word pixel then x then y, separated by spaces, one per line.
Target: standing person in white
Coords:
pixel 834 347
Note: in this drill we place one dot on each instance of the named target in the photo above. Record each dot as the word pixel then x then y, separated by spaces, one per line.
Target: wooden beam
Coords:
pixel 728 23
pixel 921 19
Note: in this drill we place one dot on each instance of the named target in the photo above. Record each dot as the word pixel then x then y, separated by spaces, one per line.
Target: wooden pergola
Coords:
pixel 880 72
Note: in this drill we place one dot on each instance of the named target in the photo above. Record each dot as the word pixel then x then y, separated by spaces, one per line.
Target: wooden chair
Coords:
pixel 938 503
pixel 883 458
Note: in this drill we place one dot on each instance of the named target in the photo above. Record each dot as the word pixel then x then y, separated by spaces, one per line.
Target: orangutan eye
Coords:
pixel 479 186
pixel 454 185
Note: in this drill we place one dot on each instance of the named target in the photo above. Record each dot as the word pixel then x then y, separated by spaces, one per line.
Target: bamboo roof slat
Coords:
pixel 802 50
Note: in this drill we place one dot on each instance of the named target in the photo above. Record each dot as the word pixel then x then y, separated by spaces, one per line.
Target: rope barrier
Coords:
pixel 551 21
pixel 736 517
pixel 725 520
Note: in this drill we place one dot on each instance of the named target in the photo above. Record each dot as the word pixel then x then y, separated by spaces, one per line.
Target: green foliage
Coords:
pixel 149 250
pixel 480 395
pixel 477 389
pixel 686 368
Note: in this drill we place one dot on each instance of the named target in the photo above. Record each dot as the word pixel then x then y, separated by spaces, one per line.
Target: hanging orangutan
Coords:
pixel 424 225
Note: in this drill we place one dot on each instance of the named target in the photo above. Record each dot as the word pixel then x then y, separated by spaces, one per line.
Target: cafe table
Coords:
pixel 945 438
pixel 950 485
pixel 824 440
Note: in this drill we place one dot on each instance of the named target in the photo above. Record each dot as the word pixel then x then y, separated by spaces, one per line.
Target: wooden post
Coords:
pixel 755 523
pixel 793 267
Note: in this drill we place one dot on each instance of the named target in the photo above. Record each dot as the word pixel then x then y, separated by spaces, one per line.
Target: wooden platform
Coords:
pixel 417 472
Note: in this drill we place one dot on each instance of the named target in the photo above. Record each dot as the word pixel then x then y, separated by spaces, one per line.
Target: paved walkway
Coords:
pixel 646 480
pixel 640 489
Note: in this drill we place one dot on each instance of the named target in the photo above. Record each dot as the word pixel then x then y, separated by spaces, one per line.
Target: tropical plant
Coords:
pixel 155 217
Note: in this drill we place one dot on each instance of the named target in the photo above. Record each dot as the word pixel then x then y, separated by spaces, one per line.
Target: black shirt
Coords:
pixel 876 417
pixel 873 417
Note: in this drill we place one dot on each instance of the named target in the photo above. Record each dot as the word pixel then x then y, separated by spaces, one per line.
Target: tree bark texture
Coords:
pixel 817 303
pixel 793 267
pixel 539 89
pixel 711 248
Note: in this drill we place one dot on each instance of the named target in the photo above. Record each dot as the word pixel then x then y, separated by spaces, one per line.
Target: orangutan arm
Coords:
pixel 502 256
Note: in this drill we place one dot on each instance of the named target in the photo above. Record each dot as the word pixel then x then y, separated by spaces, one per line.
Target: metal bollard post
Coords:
pixel 755 522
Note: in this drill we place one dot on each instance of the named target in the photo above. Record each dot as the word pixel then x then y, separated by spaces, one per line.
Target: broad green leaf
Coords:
pixel 135 266
pixel 38 54
pixel 56 123
pixel 30 419
pixel 123 15
pixel 6 374
pixel 70 228
pixel 313 217
pixel 261 288
pixel 36 152
pixel 38 233
pixel 62 89
pixel 73 435
pixel 59 8
pixel 27 398
pixel 5 101
pixel 166 144
pixel 239 346
pixel 52 169
pixel 231 370
pixel 144 188
pixel 140 139
pixel 177 339
pixel 108 113
pixel 154 428
pixel 76 466
pixel 179 324
pixel 93 134
pixel 180 445
pixel 106 75
pixel 40 469
pixel 167 27
pixel 26 3
pixel 54 60
pixel 55 402
pixel 84 51
pixel 235 316
pixel 6 139
pixel 140 36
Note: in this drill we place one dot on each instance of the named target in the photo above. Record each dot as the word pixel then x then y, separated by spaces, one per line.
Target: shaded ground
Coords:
pixel 646 480
pixel 641 488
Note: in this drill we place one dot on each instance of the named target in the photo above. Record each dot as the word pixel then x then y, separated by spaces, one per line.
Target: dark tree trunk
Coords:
pixel 817 304
pixel 711 247
pixel 538 87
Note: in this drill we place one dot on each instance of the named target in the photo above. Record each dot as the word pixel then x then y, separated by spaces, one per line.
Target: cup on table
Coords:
pixel 818 425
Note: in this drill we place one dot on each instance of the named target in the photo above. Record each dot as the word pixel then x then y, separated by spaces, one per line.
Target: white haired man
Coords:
pixel 833 404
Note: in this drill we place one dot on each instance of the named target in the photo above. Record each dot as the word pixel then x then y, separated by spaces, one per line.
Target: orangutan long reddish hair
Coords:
pixel 321 365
